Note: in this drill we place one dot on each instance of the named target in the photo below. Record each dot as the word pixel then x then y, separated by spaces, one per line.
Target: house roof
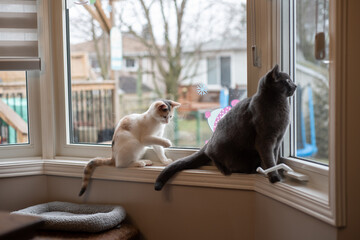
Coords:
pixel 219 45
pixel 128 85
pixel 131 46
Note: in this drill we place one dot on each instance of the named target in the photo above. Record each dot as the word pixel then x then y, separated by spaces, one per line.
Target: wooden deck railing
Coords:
pixel 92 111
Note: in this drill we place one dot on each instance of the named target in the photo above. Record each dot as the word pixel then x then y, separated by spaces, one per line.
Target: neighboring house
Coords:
pixel 135 58
pixel 222 64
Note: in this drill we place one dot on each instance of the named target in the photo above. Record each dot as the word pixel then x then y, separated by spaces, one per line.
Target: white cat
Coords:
pixel 132 134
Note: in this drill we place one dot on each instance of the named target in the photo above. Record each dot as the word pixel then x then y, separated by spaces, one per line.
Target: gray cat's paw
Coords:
pixel 274 177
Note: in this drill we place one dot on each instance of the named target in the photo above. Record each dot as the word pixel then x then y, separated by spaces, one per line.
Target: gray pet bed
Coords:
pixel 76 217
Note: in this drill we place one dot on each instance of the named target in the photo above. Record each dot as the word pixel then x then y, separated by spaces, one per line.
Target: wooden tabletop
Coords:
pixel 13 226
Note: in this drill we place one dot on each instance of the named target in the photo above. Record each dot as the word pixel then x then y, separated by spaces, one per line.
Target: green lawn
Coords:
pixel 191 132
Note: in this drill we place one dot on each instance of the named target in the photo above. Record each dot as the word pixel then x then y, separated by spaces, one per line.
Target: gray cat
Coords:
pixel 248 136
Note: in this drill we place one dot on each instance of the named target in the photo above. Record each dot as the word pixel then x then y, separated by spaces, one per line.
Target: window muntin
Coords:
pixel 93 113
pixel 304 22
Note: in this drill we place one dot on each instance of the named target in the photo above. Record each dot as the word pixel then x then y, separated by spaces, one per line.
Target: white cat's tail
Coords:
pixel 89 169
pixel 195 160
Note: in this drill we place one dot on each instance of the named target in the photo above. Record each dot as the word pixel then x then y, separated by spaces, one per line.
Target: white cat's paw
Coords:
pixel 166 161
pixel 167 143
pixel 148 162
pixel 139 164
pixel 142 163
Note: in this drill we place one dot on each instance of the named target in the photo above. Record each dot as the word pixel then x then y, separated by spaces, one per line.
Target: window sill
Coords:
pixel 309 198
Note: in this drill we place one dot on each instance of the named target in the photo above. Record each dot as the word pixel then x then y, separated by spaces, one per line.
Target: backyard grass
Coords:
pixel 191 132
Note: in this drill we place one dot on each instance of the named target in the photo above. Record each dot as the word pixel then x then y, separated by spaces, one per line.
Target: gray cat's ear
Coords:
pixel 175 104
pixel 275 71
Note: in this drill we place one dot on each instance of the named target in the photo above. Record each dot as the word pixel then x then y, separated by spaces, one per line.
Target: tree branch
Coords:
pixel 103 16
pixel 96 16
pixel 154 45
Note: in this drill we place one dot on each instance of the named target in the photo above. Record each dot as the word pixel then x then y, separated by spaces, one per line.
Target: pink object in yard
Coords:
pixel 221 115
pixel 234 102
pixel 216 115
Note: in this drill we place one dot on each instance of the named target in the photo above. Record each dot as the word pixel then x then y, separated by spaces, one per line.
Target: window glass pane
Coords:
pixel 212 71
pixel 13 108
pixel 125 60
pixel 130 63
pixel 225 63
pixel 311 73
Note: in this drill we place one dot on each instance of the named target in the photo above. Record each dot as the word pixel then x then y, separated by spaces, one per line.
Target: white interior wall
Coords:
pixel 20 192
pixel 178 212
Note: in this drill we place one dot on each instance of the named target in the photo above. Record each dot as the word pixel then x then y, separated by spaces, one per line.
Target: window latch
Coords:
pixel 288 171
pixel 255 57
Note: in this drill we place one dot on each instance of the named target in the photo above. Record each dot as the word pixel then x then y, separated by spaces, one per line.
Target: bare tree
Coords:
pixel 86 22
pixel 167 56
pixel 167 51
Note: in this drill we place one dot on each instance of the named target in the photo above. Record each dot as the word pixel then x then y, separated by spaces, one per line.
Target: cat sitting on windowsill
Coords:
pixel 248 136
pixel 132 134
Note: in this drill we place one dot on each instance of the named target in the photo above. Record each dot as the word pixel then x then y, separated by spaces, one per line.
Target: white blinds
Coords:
pixel 18 35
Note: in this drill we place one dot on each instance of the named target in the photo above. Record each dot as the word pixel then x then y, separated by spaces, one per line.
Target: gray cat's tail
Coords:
pixel 195 160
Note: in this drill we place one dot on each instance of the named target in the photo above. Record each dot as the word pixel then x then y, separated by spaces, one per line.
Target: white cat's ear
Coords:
pixel 175 104
pixel 160 105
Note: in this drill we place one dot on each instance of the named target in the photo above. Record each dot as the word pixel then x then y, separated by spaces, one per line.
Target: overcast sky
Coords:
pixel 204 20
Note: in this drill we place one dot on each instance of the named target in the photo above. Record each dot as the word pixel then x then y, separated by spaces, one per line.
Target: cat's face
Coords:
pixel 280 82
pixel 164 110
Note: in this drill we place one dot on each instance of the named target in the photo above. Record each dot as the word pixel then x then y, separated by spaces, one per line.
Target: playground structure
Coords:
pixel 305 149
pixel 13 113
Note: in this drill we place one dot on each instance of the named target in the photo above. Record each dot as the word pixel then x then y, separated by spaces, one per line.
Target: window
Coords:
pixel 18 56
pixel 84 106
pixel 178 64
pixel 219 71
pixel 130 63
pixel 307 24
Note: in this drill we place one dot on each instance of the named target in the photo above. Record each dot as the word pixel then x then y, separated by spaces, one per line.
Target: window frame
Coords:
pixel 33 148
pixel 288 64
pixel 323 198
pixel 332 175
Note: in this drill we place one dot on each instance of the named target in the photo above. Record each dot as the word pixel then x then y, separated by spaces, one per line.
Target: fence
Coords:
pixel 92 111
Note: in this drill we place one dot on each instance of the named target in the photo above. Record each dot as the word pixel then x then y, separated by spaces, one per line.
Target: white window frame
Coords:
pixel 322 198
pixel 33 148
pixel 324 176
